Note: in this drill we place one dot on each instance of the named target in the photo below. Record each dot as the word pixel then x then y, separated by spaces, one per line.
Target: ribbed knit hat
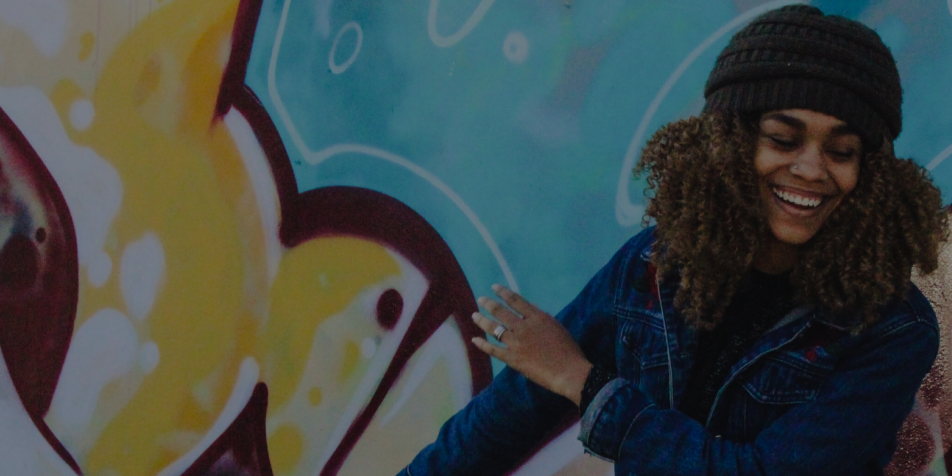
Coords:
pixel 795 57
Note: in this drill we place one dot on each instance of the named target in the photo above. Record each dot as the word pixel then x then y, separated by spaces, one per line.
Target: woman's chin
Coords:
pixel 792 235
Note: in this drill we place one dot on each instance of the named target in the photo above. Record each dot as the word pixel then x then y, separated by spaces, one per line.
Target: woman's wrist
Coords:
pixel 597 378
pixel 574 381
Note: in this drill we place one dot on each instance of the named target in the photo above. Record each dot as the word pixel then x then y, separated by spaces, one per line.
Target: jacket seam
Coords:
pixel 630 426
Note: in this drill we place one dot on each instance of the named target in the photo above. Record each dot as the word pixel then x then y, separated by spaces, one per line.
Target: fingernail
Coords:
pixel 497 287
pixel 481 300
pixel 475 316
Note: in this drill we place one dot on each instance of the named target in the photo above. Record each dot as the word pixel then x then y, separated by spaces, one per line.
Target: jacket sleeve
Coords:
pixel 856 414
pixel 503 424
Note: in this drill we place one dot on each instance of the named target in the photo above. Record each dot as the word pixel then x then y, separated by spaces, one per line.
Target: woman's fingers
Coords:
pixel 489 326
pixel 515 301
pixel 492 350
pixel 507 317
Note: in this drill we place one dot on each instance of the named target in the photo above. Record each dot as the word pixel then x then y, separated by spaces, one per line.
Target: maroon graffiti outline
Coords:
pixel 36 329
pixel 358 212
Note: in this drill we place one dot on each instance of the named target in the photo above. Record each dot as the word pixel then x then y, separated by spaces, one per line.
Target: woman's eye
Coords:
pixel 843 154
pixel 783 142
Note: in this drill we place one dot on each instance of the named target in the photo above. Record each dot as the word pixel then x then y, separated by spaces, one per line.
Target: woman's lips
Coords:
pixel 798 198
pixel 785 199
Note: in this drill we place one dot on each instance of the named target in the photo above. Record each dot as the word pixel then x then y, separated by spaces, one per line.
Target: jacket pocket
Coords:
pixel 777 383
pixel 642 356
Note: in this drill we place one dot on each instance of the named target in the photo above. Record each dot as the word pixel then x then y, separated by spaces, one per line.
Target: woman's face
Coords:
pixel 807 162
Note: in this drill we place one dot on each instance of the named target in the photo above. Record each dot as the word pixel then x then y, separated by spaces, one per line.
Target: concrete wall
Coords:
pixel 246 235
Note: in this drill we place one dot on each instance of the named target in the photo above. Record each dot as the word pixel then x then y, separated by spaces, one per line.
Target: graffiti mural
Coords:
pixel 245 236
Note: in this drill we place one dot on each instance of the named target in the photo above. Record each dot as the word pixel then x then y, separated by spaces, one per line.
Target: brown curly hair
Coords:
pixel 703 193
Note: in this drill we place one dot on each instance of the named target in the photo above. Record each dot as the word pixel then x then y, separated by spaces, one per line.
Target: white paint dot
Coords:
pixel 331 62
pixel 368 348
pixel 140 274
pixel 148 357
pixel 516 47
pixel 81 114
pixel 99 269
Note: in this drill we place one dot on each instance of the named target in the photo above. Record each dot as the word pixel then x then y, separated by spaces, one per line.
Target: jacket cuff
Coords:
pixel 606 422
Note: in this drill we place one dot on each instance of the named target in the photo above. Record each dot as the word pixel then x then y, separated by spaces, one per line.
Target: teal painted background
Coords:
pixel 529 116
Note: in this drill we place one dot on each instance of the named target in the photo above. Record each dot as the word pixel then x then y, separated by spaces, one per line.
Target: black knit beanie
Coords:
pixel 795 57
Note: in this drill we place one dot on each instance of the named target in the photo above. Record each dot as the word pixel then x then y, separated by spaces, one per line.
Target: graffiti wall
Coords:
pixel 245 236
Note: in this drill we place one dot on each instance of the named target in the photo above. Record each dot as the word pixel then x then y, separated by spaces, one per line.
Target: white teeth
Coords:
pixel 797 199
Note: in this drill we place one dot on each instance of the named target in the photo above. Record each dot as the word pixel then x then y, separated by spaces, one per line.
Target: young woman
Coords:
pixel 766 324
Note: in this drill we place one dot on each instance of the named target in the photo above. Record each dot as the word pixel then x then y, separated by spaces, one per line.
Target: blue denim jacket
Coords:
pixel 809 398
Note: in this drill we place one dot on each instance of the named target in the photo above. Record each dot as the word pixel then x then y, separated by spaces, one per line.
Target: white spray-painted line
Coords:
pixel 336 68
pixel 468 25
pixel 333 150
pixel 262 183
pixel 627 213
pixel 316 158
pixel 950 7
pixel 447 344
pixel 240 395
pixel 24 450
pixel 942 155
pixel 555 456
pixel 381 360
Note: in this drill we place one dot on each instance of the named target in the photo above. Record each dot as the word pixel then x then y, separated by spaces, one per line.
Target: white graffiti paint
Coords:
pixel 99 269
pixel 240 395
pixel 44 22
pixel 331 62
pixel 149 357
pixel 414 287
pixel 262 183
pixel 516 47
pixel 368 348
pixel 91 186
pixel 627 213
pixel 102 351
pixel 316 157
pixel 939 158
pixel 24 450
pixel 446 345
pixel 950 6
pixel 468 25
pixel 140 274
pixel 81 114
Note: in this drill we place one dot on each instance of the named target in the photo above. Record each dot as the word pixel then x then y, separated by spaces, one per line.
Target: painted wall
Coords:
pixel 246 235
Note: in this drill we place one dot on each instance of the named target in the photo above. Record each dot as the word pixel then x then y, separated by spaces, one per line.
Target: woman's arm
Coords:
pixel 855 414
pixel 504 423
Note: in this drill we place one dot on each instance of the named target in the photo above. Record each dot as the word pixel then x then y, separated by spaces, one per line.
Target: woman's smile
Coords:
pixel 807 162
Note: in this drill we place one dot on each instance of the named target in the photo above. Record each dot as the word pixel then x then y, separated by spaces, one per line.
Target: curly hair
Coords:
pixel 703 193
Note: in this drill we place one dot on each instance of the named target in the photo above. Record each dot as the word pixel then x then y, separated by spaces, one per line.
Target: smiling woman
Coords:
pixel 767 324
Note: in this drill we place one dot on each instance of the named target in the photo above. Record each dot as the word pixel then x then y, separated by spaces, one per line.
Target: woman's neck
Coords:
pixel 775 257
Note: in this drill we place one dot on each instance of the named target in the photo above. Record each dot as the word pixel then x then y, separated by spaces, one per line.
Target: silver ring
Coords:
pixel 498 331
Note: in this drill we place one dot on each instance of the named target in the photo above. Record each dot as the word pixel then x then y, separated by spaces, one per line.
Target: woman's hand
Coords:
pixel 537 345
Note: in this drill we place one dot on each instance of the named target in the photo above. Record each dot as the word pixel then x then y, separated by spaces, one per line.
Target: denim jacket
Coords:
pixel 809 398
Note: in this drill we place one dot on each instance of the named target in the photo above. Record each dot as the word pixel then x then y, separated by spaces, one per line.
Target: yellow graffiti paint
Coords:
pixel 315 281
pixel 86 43
pixel 171 190
pixel 314 396
pixel 285 447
